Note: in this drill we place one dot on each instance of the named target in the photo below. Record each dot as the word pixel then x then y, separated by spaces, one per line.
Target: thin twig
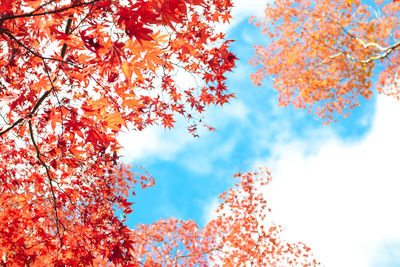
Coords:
pixel 43 6
pixel 87 15
pixel 108 94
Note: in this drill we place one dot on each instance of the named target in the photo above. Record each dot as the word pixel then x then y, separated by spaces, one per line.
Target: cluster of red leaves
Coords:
pixel 72 75
pixel 322 53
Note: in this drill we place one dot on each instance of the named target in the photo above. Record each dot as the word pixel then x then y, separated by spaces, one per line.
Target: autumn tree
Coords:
pixel 322 54
pixel 73 74
pixel 242 234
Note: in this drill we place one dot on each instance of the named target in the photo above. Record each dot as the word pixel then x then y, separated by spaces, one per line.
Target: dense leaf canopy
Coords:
pixel 73 74
pixel 321 54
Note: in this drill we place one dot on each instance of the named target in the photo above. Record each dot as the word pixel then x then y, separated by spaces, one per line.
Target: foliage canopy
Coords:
pixel 322 54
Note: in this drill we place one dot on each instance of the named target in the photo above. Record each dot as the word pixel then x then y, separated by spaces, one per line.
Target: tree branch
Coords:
pixel 41 99
pixel 45 94
pixel 12 126
pixel 39 55
pixel 33 14
pixel 175 261
pixel 387 52
pixel 86 16
pixel 38 155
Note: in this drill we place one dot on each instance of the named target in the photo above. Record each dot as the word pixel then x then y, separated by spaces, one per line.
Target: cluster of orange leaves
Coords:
pixel 321 54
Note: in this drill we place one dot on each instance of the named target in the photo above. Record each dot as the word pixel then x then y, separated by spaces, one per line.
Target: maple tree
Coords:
pixel 73 74
pixel 321 54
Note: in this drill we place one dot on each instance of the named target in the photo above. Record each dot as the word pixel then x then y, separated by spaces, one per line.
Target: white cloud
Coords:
pixel 244 10
pixel 340 198
pixel 153 143
pixel 219 116
pixel 209 210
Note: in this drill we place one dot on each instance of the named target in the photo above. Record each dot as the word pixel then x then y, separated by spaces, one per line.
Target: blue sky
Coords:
pixel 334 187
